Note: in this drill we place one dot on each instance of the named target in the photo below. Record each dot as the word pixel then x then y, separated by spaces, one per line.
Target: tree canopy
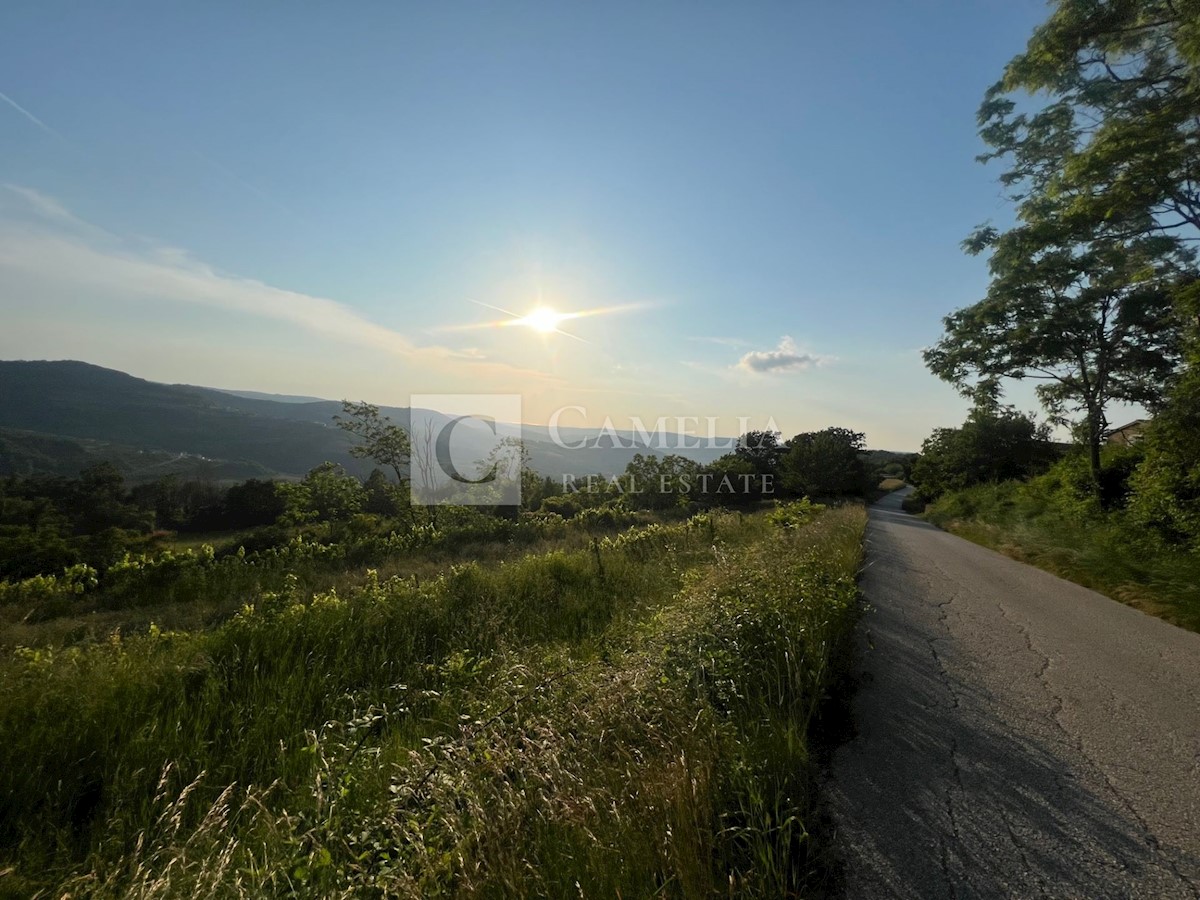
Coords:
pixel 824 463
pixel 1093 322
pixel 1104 167
pixel 379 439
pixel 994 444
pixel 1117 138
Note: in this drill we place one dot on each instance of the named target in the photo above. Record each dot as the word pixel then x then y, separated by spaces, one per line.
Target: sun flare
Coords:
pixel 542 319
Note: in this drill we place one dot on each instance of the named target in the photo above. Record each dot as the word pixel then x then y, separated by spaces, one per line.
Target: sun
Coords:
pixel 543 319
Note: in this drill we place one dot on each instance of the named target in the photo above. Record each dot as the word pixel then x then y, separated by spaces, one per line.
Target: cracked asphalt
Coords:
pixel 1017 735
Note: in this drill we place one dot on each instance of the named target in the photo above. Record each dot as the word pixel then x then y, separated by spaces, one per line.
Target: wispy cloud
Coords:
pixel 45 243
pixel 30 116
pixel 786 357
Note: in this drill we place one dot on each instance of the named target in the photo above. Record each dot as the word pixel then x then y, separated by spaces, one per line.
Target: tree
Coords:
pixel 507 461
pixel 385 443
pixel 252 503
pixel 761 449
pixel 1166 485
pixel 1106 176
pixel 424 455
pixel 824 463
pixel 381 496
pixel 326 494
pixel 1091 318
pixel 734 480
pixel 1117 140
pixel 659 482
pixel 994 444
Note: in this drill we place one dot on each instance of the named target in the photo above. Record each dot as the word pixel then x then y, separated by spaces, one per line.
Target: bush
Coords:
pixel 1166 486
pixel 794 514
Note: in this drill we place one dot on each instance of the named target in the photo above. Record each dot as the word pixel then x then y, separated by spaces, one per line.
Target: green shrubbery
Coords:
pixel 1166 485
pixel 520 728
pixel 1057 522
pixel 794 514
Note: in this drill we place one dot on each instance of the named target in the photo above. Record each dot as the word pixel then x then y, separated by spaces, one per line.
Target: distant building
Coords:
pixel 1128 434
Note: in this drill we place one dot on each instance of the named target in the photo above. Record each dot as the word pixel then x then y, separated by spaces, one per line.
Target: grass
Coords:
pixel 1098 551
pixel 885 487
pixel 200 592
pixel 623 718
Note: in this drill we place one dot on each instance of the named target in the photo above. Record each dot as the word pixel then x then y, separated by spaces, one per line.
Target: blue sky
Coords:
pixel 306 198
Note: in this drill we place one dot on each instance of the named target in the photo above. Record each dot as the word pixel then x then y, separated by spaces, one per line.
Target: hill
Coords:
pixel 59 416
pixel 81 401
pixel 34 453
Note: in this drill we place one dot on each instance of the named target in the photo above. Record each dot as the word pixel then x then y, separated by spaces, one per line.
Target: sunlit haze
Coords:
pixel 684 210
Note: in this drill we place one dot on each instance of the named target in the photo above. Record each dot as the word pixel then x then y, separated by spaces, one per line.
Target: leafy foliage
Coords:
pixel 994 444
pixel 1117 144
pixel 379 439
pixel 1166 486
pixel 824 463
pixel 1093 322
pixel 1104 175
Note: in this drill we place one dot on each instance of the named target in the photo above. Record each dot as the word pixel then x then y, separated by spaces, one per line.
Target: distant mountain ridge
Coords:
pixel 261 395
pixel 81 401
pixel 56 416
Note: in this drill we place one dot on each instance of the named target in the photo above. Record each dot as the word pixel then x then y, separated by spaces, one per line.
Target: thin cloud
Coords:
pixel 30 116
pixel 26 203
pixel 787 357
pixel 58 252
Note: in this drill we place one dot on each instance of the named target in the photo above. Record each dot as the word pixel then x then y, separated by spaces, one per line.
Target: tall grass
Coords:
pixel 624 719
pixel 195 587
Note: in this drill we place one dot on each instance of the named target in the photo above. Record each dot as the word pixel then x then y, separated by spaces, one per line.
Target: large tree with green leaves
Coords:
pixel 1104 166
pixel 1092 320
pixel 1112 134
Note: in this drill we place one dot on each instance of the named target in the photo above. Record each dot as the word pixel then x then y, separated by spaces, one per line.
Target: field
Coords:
pixel 534 707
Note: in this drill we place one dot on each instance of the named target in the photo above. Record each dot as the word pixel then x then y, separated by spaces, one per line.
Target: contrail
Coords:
pixel 30 116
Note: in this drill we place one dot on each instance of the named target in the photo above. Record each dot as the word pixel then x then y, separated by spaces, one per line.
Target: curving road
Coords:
pixel 1018 735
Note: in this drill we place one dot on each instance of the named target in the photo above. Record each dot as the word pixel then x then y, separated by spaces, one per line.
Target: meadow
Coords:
pixel 611 705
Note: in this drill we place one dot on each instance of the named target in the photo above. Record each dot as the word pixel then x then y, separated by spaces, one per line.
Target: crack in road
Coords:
pixel 1152 842
pixel 1025 804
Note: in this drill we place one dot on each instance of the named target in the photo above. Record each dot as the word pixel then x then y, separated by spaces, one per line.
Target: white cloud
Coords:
pixel 786 357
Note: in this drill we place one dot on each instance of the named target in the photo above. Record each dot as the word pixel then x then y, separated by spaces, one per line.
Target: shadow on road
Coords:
pixel 972 808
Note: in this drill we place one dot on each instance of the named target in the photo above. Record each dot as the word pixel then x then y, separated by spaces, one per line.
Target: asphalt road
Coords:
pixel 1018 735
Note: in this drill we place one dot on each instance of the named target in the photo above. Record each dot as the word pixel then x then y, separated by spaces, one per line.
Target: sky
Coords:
pixel 759 205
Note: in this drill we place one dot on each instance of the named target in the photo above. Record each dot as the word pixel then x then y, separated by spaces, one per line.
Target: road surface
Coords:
pixel 1018 735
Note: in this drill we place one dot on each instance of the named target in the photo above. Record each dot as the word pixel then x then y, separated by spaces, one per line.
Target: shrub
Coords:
pixel 794 514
